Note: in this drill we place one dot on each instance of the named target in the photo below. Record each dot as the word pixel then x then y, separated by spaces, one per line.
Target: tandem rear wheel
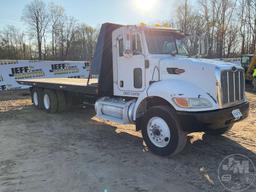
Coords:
pixel 49 100
pixel 36 97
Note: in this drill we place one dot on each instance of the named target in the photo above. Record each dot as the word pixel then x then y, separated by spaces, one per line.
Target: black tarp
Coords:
pixel 102 63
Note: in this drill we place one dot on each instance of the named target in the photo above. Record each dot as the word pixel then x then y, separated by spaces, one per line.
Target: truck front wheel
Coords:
pixel 162 132
pixel 50 101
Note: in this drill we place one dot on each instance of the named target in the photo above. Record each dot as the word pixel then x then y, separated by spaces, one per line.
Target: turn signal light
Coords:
pixel 179 71
pixel 175 71
pixel 181 102
pixel 192 102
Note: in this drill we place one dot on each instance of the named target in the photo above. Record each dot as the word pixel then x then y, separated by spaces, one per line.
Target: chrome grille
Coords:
pixel 232 86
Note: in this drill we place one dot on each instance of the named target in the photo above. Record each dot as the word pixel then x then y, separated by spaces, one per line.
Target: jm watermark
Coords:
pixel 236 172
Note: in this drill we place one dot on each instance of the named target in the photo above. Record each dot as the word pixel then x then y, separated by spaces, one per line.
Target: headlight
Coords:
pixel 192 102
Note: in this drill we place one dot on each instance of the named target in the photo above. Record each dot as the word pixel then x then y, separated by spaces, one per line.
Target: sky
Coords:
pixel 96 12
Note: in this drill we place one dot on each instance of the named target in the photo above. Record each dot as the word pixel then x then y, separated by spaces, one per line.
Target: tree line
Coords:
pixel 50 35
pixel 218 28
pixel 214 29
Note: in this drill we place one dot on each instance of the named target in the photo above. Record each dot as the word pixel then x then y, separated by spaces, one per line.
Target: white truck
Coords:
pixel 144 76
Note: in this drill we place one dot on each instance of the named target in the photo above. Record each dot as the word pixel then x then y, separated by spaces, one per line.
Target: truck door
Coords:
pixel 130 64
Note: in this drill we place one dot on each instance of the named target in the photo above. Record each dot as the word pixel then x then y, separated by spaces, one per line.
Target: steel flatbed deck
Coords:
pixel 65 84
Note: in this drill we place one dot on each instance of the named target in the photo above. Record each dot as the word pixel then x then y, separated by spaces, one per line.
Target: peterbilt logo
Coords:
pixel 234 69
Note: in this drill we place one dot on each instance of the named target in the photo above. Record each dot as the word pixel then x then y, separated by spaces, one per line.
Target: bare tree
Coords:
pixel 56 17
pixel 70 29
pixel 190 23
pixel 183 15
pixel 247 19
pixel 12 44
pixel 36 16
pixel 231 40
pixel 66 35
pixel 211 26
pixel 88 38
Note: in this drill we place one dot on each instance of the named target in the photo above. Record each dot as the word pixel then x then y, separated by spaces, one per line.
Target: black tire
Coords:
pixel 219 131
pixel 52 103
pixel 36 97
pixel 178 137
pixel 62 106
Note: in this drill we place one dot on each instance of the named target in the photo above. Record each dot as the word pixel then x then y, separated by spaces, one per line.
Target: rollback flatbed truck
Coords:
pixel 144 76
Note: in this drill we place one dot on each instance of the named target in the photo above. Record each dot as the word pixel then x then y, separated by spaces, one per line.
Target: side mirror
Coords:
pixel 128 53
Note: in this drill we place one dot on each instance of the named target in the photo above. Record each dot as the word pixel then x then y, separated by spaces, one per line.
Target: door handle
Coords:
pixel 146 64
pixel 121 83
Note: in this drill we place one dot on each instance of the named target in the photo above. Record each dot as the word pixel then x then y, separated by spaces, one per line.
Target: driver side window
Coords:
pixel 121 47
pixel 136 44
pixel 169 47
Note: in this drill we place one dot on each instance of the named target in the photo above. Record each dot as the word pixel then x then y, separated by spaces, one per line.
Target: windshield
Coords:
pixel 165 43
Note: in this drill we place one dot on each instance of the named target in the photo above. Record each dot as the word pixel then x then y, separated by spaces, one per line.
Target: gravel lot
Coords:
pixel 75 152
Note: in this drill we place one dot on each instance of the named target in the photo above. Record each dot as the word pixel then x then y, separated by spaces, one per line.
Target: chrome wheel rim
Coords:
pixel 35 98
pixel 158 132
pixel 46 101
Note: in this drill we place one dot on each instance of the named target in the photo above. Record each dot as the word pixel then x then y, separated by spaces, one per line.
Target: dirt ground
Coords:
pixel 74 151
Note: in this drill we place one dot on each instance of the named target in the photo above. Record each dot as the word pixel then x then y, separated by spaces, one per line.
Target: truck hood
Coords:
pixel 200 72
pixel 188 62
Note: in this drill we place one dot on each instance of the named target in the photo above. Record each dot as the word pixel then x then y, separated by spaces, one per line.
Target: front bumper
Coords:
pixel 200 121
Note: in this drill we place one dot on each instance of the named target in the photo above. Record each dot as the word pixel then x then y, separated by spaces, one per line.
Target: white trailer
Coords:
pixel 146 77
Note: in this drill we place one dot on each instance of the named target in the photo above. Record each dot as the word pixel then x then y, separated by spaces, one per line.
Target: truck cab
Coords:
pixel 154 76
